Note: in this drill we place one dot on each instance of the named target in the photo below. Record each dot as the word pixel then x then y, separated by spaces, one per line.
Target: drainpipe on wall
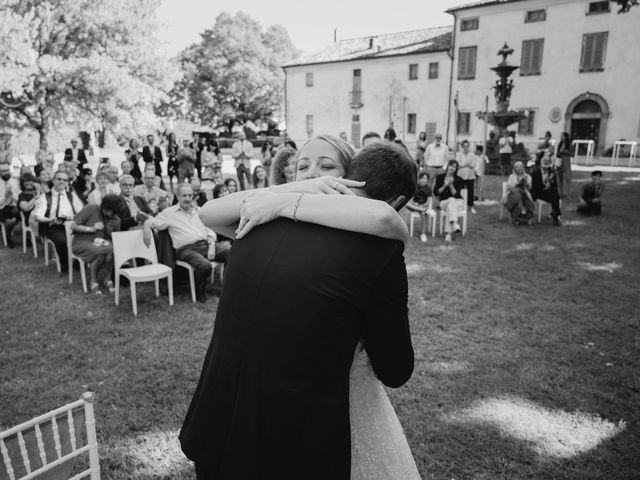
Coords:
pixel 452 57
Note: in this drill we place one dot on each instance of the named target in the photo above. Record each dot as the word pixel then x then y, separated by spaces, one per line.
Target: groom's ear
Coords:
pixel 398 202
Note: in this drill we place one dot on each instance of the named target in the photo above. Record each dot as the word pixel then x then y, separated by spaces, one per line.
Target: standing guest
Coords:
pixel 152 194
pixel 45 181
pixel 543 146
pixel 231 184
pixel 291 144
pixel 92 227
pixel 101 189
pixel 369 138
pixel 126 166
pixel 194 243
pixel 198 146
pixel 505 148
pixel 138 209
pixel 448 186
pixel 544 184
pixel 242 151
pixel 186 162
pixel 113 174
pixel 519 201
pixel 28 195
pixel 590 202
pixel 467 161
pixel 211 167
pixel 134 158
pixel 172 159
pixel 75 154
pixel 52 210
pixel 152 155
pixel 563 152
pixel 435 157
pixel 491 146
pixel 481 161
pixel 82 184
pixel 44 158
pixel 5 153
pixel 420 203
pixel 259 177
pixel 284 166
pixel 421 147
pixel 267 152
pixel 220 191
pixel 9 193
pixel 389 135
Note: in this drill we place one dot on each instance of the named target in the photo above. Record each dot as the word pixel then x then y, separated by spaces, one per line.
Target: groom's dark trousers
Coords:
pixel 273 397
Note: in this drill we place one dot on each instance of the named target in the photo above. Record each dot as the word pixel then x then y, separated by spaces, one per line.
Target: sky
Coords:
pixel 310 24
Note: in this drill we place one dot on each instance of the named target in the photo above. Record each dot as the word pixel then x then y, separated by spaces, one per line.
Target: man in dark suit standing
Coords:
pixel 75 154
pixel 152 154
pixel 273 396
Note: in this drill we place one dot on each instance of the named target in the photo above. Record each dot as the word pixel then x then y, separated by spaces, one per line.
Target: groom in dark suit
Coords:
pixel 273 397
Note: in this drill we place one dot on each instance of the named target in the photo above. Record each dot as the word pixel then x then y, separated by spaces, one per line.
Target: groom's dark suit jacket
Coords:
pixel 273 395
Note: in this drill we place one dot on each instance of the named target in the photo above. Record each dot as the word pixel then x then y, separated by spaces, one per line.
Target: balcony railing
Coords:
pixel 355 98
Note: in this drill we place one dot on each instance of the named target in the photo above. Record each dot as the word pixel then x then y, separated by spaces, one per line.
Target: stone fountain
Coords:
pixel 503 117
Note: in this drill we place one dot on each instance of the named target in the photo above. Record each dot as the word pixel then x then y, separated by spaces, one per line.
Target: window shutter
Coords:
pixel 525 64
pixel 536 59
pixel 587 51
pixel 598 50
pixel 472 62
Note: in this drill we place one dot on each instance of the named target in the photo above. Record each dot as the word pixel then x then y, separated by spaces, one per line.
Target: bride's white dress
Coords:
pixel 379 449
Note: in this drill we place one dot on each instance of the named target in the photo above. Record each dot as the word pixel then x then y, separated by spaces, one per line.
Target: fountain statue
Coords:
pixel 503 117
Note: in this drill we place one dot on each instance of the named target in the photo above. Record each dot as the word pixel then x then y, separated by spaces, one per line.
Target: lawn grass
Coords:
pixel 526 362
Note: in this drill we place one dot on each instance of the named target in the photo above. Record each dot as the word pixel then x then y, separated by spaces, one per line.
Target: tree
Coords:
pixel 234 69
pixel 83 60
pixel 625 5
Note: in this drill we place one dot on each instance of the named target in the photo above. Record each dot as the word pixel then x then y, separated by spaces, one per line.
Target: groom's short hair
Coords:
pixel 388 170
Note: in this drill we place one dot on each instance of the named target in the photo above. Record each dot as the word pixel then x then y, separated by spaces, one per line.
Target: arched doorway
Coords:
pixel 586 119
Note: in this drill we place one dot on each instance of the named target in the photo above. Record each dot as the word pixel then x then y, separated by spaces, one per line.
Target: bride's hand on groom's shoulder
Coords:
pixel 262 207
pixel 325 184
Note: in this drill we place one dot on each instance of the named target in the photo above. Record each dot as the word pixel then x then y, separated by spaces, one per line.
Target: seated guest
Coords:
pixel 194 243
pixel 9 193
pixel 447 188
pixel 127 167
pixel 590 203
pixel 28 195
pixel 45 181
pixel 134 156
pixel 220 191
pixel 186 157
pixel 283 168
pixel 259 177
pixel 231 184
pixel 53 209
pixel 149 191
pixel 519 202
pixel 544 184
pixel 420 202
pixel 75 154
pixel 137 208
pixel 92 228
pixel 198 195
pixel 82 184
pixel 114 185
pixel 369 138
pixel 101 188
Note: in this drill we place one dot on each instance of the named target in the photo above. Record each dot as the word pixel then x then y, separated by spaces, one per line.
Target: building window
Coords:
pixel 467 62
pixel 413 71
pixel 598 7
pixel 309 79
pixel 356 92
pixel 594 47
pixel 433 70
pixel 469 24
pixel 355 117
pixel 535 16
pixel 411 123
pixel 531 61
pixel 309 126
pixel 464 121
pixel 526 125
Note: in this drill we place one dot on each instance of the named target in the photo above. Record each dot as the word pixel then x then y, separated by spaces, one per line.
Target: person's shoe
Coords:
pixel 110 286
pixel 95 289
pixel 447 238
pixel 423 238
pixel 557 222
pixel 473 210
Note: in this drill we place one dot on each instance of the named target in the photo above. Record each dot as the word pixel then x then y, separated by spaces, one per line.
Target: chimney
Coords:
pixel 371 43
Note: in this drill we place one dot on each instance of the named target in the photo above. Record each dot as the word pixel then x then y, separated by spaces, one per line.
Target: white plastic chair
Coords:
pixel 26 230
pixel 64 439
pixel 130 245
pixel 462 213
pixel 417 215
pixel 72 257
pixel 4 234
pixel 192 274
pixel 219 266
pixel 503 199
pixel 49 243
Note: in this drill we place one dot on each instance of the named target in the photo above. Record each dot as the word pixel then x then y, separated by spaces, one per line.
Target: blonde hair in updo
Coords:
pixel 343 149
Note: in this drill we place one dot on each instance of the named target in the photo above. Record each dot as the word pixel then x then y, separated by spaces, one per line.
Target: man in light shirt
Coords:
pixel 139 210
pixel 435 157
pixel 153 195
pixel 194 243
pixel 241 152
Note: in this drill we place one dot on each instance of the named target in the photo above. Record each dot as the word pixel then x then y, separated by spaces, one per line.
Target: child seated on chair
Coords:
pixel 420 202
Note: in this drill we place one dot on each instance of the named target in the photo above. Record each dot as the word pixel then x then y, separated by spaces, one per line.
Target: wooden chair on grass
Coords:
pixel 129 245
pixel 60 444
pixel 26 231
pixel 72 257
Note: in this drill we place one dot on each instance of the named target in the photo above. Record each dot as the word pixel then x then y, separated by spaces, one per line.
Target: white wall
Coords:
pixel 328 100
pixel 560 80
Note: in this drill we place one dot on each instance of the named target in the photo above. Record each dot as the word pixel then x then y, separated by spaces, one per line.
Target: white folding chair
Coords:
pixel 503 198
pixel 192 277
pixel 4 234
pixel 219 266
pixel 72 257
pixel 63 439
pixel 540 203
pixel 49 243
pixel 26 230
pixel 415 215
pixel 129 245
pixel 462 213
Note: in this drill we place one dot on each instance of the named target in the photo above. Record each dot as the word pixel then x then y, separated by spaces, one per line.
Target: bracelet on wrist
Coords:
pixel 295 207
